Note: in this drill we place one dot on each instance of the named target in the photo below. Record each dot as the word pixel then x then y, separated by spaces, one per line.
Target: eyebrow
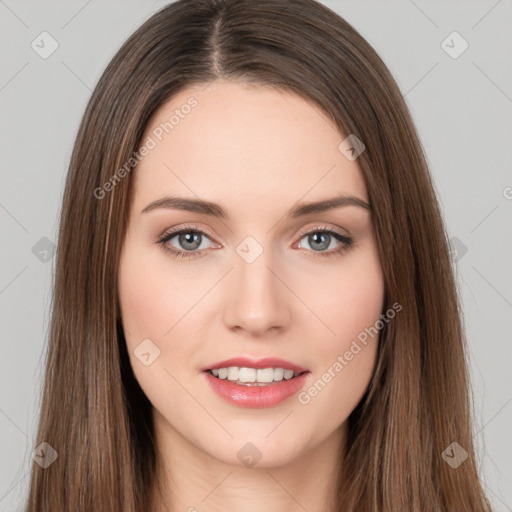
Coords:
pixel 215 210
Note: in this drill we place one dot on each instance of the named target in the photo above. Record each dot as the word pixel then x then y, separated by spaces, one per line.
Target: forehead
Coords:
pixel 235 142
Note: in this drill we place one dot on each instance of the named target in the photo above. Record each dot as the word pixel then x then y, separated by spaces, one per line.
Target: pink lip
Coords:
pixel 256 396
pixel 267 362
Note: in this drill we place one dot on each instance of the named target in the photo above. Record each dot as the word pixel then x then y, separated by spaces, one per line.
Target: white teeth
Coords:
pixel 278 374
pixel 265 375
pixel 233 373
pixel 288 374
pixel 262 375
pixel 246 375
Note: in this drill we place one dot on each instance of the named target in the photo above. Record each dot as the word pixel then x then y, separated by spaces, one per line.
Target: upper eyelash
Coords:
pixel 346 240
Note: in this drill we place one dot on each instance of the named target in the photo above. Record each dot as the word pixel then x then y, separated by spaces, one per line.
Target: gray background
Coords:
pixel 462 108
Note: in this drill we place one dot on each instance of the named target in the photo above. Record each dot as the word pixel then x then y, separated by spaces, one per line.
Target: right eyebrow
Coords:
pixel 190 205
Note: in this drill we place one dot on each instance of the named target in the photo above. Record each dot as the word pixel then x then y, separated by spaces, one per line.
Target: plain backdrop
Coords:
pixel 458 88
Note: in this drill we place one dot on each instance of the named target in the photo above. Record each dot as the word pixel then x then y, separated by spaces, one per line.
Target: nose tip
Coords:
pixel 256 299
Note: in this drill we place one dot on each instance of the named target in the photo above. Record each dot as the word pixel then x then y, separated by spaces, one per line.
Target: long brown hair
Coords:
pixel 93 412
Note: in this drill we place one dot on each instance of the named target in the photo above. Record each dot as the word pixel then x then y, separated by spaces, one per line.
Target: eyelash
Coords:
pixel 346 241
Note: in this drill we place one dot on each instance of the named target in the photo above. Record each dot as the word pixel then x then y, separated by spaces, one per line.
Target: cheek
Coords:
pixel 360 304
pixel 148 297
pixel 342 376
pixel 157 303
pixel 152 306
pixel 351 306
pixel 351 300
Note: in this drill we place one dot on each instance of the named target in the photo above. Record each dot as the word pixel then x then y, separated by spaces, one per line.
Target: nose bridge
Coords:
pixel 257 300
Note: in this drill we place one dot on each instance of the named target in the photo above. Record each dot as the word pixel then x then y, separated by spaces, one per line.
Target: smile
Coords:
pixel 253 376
pixel 255 384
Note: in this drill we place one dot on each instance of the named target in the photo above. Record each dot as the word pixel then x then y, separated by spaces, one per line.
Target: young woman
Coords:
pixel 254 305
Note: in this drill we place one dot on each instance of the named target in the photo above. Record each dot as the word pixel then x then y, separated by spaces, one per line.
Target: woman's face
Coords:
pixel 256 282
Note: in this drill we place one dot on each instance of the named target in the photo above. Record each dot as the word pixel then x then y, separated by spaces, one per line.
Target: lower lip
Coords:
pixel 256 396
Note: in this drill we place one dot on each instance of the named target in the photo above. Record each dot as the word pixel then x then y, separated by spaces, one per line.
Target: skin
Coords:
pixel 257 152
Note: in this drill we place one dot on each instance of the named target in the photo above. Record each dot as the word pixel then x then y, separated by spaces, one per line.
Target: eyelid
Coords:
pixel 346 238
pixel 301 234
pixel 323 227
pixel 187 227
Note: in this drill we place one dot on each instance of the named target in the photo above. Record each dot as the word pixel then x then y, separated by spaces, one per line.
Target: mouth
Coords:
pixel 245 382
pixel 246 376
pixel 249 372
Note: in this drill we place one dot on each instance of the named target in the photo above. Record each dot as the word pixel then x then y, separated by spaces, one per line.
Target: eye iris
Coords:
pixel 315 236
pixel 190 238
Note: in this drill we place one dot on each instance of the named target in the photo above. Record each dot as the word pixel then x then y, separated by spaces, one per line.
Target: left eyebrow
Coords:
pixel 327 204
pixel 215 210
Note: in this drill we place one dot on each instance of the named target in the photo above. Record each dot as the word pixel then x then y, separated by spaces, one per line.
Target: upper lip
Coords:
pixel 266 362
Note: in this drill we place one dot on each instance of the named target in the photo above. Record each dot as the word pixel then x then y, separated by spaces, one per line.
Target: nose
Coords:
pixel 257 301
